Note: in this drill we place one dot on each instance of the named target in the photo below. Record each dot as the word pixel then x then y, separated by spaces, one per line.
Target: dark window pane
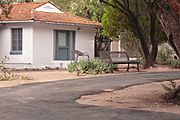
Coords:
pixel 19 48
pixel 64 44
pixel 16 39
pixel 14 48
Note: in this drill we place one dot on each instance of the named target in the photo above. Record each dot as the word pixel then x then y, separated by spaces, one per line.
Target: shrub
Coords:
pixel 2 62
pixel 175 63
pixel 93 66
pixel 164 55
pixel 173 92
pixel 7 75
pixel 72 67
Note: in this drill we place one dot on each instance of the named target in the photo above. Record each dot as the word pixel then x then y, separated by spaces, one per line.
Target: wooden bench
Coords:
pixel 118 57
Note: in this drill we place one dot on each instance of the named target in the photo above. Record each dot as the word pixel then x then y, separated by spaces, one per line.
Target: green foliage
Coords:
pixel 82 66
pixel 175 63
pixel 138 17
pixel 130 43
pixel 116 24
pixel 64 5
pixel 2 62
pixel 8 76
pixel 26 78
pixel 91 9
pixel 113 22
pixel 72 67
pixel 98 66
pixel 93 66
pixel 173 92
pixel 164 55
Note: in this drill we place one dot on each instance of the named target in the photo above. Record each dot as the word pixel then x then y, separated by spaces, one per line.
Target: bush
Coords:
pixel 7 75
pixel 93 66
pixel 173 92
pixel 175 63
pixel 164 55
pixel 3 61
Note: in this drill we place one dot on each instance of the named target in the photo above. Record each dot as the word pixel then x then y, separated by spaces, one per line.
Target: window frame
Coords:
pixel 17 51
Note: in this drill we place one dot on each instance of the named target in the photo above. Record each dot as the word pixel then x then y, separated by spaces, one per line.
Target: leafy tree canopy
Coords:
pixel 91 9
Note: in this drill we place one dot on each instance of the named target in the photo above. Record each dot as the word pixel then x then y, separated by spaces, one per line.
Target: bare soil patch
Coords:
pixel 140 97
pixel 56 75
pixel 41 76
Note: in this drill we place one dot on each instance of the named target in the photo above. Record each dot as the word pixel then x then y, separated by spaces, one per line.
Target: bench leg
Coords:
pixel 76 59
pixel 88 57
pixel 138 67
pixel 127 68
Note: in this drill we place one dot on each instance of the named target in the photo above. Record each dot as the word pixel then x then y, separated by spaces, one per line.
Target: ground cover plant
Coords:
pixel 6 75
pixel 93 66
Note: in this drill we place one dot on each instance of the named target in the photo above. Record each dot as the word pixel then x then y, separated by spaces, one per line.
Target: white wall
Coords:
pixel 85 41
pixel 38 44
pixel 5 43
pixel 48 7
pixel 43 43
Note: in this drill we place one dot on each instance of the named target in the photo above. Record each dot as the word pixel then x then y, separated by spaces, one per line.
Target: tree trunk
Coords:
pixel 148 62
pixel 153 35
pixel 144 41
pixel 171 24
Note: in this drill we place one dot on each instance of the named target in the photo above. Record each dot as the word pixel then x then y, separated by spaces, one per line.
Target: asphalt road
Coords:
pixel 56 100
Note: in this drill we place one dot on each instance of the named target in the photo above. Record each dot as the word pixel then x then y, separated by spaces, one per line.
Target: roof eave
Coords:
pixel 66 23
pixel 57 23
pixel 16 21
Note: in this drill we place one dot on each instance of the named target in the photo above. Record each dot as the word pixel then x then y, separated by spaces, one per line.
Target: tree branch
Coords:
pixel 104 1
pixel 115 5
pixel 123 6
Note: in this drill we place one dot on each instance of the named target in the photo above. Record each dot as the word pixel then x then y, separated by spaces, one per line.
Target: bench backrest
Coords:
pixel 114 56
pixel 105 56
pixel 119 56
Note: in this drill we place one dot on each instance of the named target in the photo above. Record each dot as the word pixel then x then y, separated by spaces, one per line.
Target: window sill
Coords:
pixel 16 53
pixel 62 60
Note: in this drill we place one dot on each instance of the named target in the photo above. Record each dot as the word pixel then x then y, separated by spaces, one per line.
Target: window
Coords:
pixel 16 42
pixel 64 43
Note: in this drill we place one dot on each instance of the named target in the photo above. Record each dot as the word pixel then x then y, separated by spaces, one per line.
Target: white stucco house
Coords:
pixel 38 34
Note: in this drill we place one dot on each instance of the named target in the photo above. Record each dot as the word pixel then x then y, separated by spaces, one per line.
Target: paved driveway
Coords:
pixel 56 100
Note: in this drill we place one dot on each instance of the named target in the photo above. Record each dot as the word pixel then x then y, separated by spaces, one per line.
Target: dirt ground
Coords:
pixel 40 76
pixel 55 75
pixel 140 97
pixel 143 97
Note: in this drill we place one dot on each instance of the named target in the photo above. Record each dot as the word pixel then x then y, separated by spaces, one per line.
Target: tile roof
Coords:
pixel 26 11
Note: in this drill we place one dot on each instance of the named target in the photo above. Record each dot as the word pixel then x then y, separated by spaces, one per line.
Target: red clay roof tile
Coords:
pixel 26 11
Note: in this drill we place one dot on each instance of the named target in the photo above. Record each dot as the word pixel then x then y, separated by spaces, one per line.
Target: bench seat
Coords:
pixel 118 57
pixel 126 62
